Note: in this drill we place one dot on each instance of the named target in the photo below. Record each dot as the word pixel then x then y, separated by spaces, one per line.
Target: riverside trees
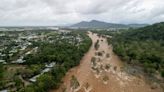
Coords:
pixel 142 46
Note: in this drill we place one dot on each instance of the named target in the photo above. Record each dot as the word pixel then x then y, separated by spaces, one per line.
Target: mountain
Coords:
pixel 100 24
pixel 137 25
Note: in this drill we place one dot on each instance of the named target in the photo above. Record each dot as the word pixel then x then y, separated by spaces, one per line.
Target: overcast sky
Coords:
pixel 63 12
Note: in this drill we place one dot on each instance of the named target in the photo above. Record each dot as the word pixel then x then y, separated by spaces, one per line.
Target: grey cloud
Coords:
pixel 57 12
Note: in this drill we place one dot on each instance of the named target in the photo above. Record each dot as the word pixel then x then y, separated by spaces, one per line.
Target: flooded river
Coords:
pixel 105 79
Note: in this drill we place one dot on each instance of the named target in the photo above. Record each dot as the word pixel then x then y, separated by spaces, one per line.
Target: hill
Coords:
pixel 100 24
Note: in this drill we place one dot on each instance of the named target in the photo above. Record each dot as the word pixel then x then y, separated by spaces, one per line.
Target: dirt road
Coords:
pixel 105 74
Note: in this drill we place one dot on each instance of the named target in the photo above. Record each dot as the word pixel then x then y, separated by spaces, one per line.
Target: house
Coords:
pixel 5 90
pixel 47 69
pixel 50 65
pixel 3 62
pixel 20 60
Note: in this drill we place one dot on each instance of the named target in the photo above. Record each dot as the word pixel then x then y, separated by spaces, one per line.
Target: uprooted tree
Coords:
pixel 74 83
pixel 97 45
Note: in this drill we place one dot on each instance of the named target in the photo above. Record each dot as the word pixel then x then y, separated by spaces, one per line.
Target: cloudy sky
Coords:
pixel 64 12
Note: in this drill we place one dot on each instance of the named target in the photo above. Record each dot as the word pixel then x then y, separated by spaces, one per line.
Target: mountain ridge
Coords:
pixel 102 24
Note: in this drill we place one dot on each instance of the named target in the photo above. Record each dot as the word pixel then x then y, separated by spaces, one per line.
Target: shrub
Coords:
pixel 107 55
pixel 97 45
pixel 74 82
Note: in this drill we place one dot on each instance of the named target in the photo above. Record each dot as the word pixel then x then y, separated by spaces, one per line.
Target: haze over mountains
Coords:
pixel 101 24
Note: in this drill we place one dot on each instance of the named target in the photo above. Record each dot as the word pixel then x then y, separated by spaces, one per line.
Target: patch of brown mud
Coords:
pixel 117 80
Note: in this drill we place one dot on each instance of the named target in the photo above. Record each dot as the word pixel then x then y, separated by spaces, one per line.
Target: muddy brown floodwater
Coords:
pixel 106 75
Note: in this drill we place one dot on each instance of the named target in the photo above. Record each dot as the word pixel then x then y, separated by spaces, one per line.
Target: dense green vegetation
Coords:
pixel 66 54
pixel 143 47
